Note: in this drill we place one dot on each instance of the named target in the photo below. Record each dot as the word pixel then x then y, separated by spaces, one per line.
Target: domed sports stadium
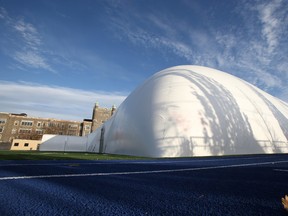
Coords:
pixel 186 111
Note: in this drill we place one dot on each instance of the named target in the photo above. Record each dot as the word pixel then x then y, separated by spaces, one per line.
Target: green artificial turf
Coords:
pixel 36 155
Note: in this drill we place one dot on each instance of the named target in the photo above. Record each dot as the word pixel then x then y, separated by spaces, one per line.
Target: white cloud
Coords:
pixel 3 13
pixel 271 22
pixel 252 47
pixel 32 59
pixel 179 48
pixel 163 23
pixel 25 45
pixel 31 54
pixel 257 51
pixel 53 101
pixel 228 41
pixel 29 34
pixel 165 40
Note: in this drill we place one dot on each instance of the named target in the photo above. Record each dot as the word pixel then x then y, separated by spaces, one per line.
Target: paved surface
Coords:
pixel 246 185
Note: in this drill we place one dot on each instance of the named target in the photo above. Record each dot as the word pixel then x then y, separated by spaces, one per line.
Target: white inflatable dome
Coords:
pixel 194 111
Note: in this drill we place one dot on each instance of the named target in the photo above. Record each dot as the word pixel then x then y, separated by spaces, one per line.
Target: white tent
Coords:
pixel 193 111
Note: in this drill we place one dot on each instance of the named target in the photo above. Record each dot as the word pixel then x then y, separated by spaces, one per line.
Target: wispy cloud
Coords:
pixel 3 13
pixel 166 34
pixel 29 34
pixel 32 59
pixel 54 101
pixel 164 38
pixel 271 18
pixel 265 49
pixel 28 50
pixel 255 51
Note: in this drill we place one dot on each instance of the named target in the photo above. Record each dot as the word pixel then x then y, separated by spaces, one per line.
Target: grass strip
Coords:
pixel 36 155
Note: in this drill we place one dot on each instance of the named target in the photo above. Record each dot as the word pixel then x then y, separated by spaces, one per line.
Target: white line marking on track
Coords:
pixel 281 170
pixel 135 162
pixel 140 172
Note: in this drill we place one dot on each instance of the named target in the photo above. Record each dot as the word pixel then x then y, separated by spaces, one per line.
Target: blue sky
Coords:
pixel 59 57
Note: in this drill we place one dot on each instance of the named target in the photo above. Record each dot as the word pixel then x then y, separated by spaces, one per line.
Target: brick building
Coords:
pixel 100 115
pixel 21 126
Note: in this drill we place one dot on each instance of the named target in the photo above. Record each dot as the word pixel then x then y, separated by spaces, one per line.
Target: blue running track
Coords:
pixel 243 185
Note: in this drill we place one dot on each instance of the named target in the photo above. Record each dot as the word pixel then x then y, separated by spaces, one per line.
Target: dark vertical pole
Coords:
pixel 101 140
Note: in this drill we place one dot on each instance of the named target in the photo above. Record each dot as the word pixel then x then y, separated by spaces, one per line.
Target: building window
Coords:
pixel 72 133
pixel 73 126
pixel 2 121
pixel 24 131
pixel 39 131
pixel 16 144
pixel 16 123
pixel 1 129
pixel 14 130
pixel 87 127
pixel 27 123
pixel 39 124
pixel 26 144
